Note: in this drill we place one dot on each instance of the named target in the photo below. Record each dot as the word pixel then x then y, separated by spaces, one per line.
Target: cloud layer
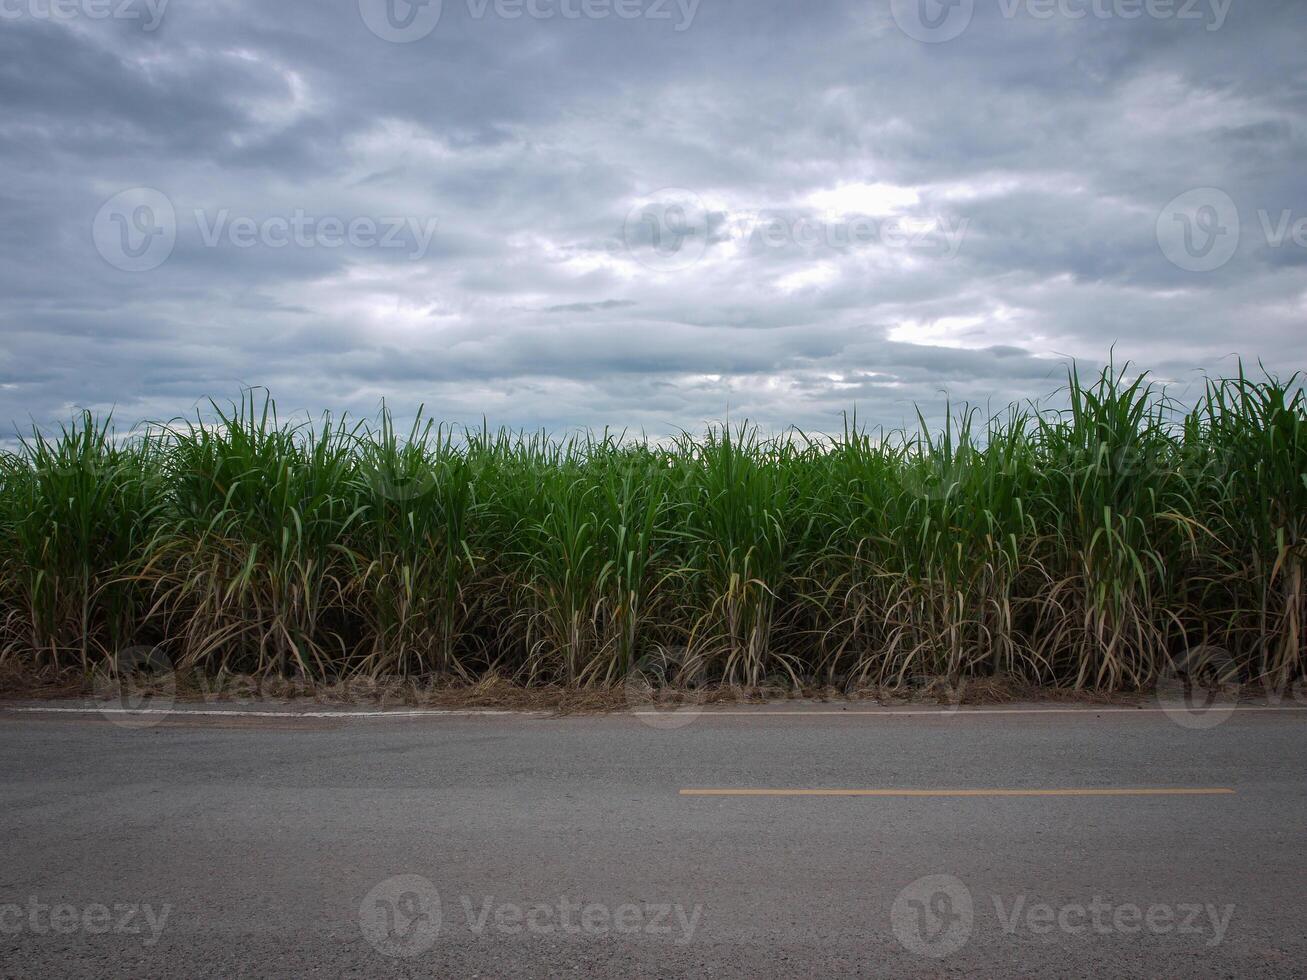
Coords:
pixel 640 213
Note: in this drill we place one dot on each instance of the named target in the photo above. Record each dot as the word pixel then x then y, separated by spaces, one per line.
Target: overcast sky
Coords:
pixel 641 213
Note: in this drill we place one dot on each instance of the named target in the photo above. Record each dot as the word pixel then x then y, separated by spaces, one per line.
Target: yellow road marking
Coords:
pixel 708 711
pixel 1166 791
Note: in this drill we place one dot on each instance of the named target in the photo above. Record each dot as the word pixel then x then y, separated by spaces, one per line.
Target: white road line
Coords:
pixel 231 713
pixel 928 793
pixel 707 712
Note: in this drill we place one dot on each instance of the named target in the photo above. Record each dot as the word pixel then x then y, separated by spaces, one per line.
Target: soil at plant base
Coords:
pixel 494 692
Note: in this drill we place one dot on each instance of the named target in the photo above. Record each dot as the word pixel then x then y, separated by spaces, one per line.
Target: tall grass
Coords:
pixel 1091 545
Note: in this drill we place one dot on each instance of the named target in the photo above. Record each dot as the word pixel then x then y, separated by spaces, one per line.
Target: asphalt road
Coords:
pixel 532 846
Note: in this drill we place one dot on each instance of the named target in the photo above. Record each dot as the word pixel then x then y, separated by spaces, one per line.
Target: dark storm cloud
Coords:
pixel 473 220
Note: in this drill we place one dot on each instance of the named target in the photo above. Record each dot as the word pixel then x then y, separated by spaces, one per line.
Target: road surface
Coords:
pixel 751 842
